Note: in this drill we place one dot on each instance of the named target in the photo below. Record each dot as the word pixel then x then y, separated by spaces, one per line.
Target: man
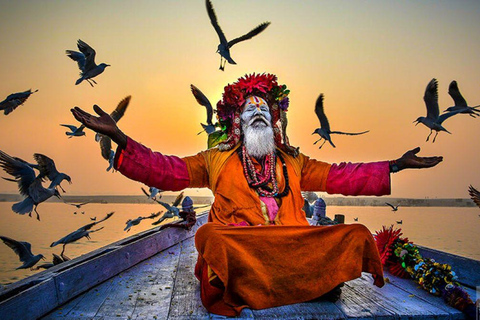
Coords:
pixel 258 250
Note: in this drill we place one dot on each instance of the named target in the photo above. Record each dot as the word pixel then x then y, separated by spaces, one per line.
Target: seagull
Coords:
pixel 203 101
pixel 29 185
pixel 105 142
pixel 324 130
pixel 55 261
pixel 433 120
pixel 49 170
pixel 130 223
pixel 224 46
pixel 15 100
pixel 79 233
pixel 74 131
pixel 24 252
pixel 394 208
pixel 172 210
pixel 355 219
pixel 474 194
pixel 86 62
pixel 152 193
pixel 460 104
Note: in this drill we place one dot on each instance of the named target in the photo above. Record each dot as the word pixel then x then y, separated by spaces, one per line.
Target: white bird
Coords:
pixel 86 62
pixel 172 210
pixel 15 100
pixel 130 223
pixel 433 120
pixel 49 170
pixel 29 185
pixel 152 193
pixel 79 233
pixel 74 131
pixel 203 101
pixel 460 103
pixel 24 252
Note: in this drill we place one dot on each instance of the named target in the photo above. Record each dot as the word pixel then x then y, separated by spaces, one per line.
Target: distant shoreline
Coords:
pixel 331 201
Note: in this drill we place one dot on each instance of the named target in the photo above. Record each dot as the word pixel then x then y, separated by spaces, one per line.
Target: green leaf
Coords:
pixel 215 138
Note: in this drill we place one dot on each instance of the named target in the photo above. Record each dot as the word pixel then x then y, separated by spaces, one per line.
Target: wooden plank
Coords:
pixel 412 288
pixel 467 270
pixel 29 304
pixel 186 302
pixel 307 310
pixel 394 300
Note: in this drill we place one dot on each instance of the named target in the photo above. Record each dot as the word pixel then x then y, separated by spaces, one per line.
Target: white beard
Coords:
pixel 258 140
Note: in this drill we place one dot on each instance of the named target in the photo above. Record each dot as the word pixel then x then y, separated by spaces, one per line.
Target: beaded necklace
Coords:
pixel 268 174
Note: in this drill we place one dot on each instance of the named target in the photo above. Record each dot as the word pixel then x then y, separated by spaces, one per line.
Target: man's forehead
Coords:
pixel 256 101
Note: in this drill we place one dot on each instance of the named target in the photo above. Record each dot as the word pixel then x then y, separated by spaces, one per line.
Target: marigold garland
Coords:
pixel 402 258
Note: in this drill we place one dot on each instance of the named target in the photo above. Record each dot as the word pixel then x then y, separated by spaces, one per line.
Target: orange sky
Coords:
pixel 372 60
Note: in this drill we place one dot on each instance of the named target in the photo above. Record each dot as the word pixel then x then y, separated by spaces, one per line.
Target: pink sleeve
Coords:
pixel 353 179
pixel 154 169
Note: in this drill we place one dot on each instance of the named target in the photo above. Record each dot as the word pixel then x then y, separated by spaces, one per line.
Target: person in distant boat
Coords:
pixel 258 250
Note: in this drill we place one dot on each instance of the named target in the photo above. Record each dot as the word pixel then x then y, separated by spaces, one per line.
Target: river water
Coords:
pixel 452 229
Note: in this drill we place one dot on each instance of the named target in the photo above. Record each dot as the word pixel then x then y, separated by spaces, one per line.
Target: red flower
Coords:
pixel 385 239
pixel 261 82
pixel 233 96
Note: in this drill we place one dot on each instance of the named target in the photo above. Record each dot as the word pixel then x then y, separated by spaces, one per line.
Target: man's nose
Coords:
pixel 257 110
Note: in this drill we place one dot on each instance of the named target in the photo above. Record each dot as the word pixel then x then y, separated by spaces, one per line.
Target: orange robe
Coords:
pixel 267 263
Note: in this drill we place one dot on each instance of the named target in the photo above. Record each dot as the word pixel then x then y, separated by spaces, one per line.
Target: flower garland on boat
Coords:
pixel 403 259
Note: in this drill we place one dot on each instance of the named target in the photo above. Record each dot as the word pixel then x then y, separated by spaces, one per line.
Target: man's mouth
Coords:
pixel 257 120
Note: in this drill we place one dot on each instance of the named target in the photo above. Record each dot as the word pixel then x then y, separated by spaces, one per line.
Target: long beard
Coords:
pixel 258 141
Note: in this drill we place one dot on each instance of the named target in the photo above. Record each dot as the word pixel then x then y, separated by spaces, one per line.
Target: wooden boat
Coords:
pixel 150 276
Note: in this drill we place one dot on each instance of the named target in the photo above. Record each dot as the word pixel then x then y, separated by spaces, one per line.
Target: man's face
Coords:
pixel 256 113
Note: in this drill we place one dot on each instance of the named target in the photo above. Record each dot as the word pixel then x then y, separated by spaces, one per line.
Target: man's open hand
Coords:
pixel 410 161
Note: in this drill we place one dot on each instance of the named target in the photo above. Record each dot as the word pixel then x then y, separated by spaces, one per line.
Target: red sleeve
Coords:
pixel 353 179
pixel 154 169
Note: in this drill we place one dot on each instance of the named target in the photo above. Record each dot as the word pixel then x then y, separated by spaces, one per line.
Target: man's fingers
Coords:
pixel 98 110
pixel 416 150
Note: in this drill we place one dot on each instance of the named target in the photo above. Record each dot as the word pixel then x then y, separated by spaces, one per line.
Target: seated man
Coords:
pixel 257 249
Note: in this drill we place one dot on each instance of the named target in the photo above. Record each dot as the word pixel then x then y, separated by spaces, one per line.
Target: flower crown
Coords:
pixel 262 85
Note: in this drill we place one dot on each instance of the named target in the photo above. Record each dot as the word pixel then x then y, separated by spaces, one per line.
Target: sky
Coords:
pixel 371 59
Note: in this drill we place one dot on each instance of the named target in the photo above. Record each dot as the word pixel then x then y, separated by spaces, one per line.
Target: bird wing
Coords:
pixel 213 20
pixel 22 249
pixel 78 57
pixel 69 126
pixel 14 100
pixel 89 54
pixel 249 35
pixel 164 204
pixel 445 116
pixel 56 259
pixel 37 192
pixel 475 195
pixel 457 97
pixel 203 100
pixel 46 166
pixel 105 146
pixel 178 200
pixel 389 204
pixel 349 133
pixel 90 225
pixel 23 173
pixel 119 111
pixel 145 191
pixel 431 99
pixel 321 114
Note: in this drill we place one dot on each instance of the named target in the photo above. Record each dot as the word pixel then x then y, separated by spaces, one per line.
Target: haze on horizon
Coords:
pixel 372 60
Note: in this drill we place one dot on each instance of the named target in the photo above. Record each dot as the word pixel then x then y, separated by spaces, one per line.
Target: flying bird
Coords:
pixel 399 221
pixel 130 223
pixel 460 103
pixel 203 101
pixel 49 171
pixel 152 193
pixel 29 184
pixel 15 100
pixel 324 130
pixel 80 233
pixel 433 120
pixel 474 194
pixel 172 210
pixel 224 46
pixel 74 131
pixel 394 208
pixel 86 62
pixel 55 261
pixel 24 252
pixel 79 205
pixel 105 141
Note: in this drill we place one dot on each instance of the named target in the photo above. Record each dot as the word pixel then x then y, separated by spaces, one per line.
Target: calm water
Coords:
pixel 454 230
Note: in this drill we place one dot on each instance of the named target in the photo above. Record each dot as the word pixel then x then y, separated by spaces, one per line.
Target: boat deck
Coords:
pixel 164 287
